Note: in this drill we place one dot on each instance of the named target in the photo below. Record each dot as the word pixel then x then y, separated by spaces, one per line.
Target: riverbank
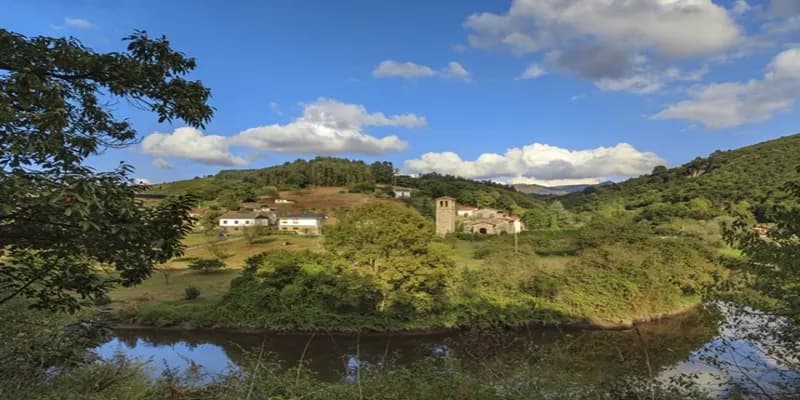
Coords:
pixel 578 325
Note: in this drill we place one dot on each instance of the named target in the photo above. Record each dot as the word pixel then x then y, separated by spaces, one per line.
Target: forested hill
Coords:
pixel 751 176
pixel 245 185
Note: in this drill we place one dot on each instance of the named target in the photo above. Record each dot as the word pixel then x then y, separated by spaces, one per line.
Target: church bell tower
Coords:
pixel 445 215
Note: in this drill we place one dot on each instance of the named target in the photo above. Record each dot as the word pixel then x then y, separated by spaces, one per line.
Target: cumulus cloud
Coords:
pixel 161 163
pixel 541 163
pixel 741 7
pixel 672 28
pixel 605 40
pixel 533 71
pixel 457 71
pixel 329 126
pixel 410 70
pixel 77 23
pixel 784 7
pixel 728 104
pixel 192 144
pixel 406 70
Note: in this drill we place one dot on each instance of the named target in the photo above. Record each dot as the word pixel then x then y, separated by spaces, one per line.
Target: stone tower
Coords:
pixel 445 215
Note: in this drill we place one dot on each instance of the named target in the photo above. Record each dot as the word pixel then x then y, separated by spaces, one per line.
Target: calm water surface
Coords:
pixel 673 346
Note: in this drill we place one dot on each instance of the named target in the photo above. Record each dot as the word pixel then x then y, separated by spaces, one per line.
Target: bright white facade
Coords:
pixel 401 193
pixel 466 211
pixel 235 220
pixel 304 224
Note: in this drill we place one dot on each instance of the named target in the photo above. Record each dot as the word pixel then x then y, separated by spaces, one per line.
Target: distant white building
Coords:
pixel 466 211
pixel 302 224
pixel 401 192
pixel 283 201
pixel 233 220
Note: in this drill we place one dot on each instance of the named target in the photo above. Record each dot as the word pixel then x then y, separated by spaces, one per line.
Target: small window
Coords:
pixel 236 222
pixel 247 222
pixel 224 222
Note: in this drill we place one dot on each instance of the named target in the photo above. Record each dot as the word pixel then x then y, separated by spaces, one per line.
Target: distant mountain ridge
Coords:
pixel 541 190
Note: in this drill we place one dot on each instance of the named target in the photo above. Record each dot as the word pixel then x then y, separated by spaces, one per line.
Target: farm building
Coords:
pixel 302 223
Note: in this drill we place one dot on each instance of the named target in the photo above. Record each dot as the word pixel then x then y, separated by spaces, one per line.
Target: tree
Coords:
pixel 771 283
pixel 206 264
pixel 252 233
pixel 559 216
pixel 390 243
pixel 382 171
pixel 59 219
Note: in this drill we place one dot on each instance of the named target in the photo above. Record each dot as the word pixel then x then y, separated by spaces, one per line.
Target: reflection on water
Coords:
pixel 673 346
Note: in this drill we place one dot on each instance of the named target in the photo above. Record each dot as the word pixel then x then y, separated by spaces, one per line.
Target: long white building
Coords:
pixel 302 223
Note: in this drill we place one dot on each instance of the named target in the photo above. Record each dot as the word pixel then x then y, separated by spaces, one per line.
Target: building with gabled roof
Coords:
pixel 302 223
pixel 233 220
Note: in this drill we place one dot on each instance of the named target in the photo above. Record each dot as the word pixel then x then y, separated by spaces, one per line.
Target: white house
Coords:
pixel 302 224
pixel 283 201
pixel 401 192
pixel 233 220
pixel 466 211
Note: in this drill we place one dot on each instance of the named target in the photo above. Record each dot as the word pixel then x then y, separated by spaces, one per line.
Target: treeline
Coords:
pixel 320 171
pixel 229 187
pixel 752 177
pixel 467 192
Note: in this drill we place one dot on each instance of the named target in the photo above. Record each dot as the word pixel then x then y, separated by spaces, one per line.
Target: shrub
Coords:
pixel 206 264
pixel 129 311
pixel 191 293
pixel 480 253
pixel 102 301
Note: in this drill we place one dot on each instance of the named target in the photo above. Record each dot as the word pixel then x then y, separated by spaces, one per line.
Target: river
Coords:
pixel 673 346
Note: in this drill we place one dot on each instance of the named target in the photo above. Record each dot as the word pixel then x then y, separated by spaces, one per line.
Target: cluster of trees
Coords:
pixel 379 263
pixel 754 174
pixel 319 171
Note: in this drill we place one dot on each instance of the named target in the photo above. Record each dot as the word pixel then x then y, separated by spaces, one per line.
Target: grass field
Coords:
pixel 214 284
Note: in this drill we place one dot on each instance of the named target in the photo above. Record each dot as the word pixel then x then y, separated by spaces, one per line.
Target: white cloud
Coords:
pixel 673 28
pixel 457 71
pixel 648 80
pixel 328 127
pixel 605 41
pixel 784 7
pixel 542 163
pixel 191 144
pixel 740 7
pixel 77 23
pixel 533 71
pixel 728 104
pixel 410 70
pixel 161 163
pixel 406 70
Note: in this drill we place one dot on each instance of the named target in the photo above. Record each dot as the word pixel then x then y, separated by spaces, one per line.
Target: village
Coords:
pixel 283 215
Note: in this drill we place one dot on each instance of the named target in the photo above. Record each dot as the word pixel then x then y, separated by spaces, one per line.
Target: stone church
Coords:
pixel 485 221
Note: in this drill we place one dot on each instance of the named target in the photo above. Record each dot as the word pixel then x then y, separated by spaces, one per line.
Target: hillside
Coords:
pixel 751 176
pixel 229 187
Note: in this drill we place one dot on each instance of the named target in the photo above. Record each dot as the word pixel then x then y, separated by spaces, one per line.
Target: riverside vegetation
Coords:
pixel 383 270
pixel 70 236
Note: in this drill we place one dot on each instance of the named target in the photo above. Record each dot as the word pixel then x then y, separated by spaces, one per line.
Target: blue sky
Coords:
pixel 612 88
